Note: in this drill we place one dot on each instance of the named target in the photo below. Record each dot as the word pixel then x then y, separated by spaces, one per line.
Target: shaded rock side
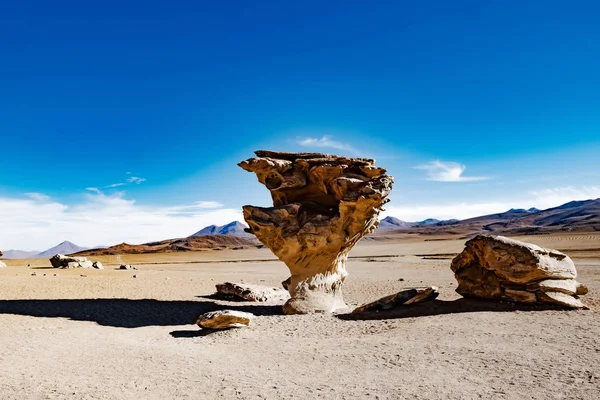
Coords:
pixel 224 319
pixel 62 261
pixel 252 292
pixel 403 297
pixel 496 267
pixel 322 206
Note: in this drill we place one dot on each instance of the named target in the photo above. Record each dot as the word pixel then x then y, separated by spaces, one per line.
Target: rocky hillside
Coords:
pixel 192 243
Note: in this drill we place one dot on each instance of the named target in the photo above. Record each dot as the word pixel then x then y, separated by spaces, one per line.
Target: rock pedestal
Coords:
pixel 322 206
pixel 496 267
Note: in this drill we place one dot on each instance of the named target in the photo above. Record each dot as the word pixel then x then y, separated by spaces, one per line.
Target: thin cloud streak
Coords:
pixel 448 171
pixel 324 142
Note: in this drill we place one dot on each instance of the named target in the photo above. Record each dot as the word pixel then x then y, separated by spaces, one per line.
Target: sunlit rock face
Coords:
pixel 496 267
pixel 322 206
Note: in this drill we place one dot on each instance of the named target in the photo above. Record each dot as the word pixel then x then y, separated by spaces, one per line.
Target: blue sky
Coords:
pixel 124 121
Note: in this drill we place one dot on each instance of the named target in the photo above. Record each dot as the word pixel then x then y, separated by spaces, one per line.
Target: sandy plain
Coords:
pixel 105 334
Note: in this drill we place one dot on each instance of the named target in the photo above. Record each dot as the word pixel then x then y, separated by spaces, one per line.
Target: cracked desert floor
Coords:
pixel 105 334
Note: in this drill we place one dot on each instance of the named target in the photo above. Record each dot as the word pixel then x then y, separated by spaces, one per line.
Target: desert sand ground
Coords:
pixel 103 334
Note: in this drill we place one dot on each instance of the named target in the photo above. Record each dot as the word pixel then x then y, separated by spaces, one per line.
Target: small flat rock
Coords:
pixel 252 292
pixel 224 319
pixel 562 299
pixel 403 297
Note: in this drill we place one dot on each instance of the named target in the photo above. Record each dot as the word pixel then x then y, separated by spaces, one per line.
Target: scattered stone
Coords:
pixel 496 267
pixel 34 274
pixel 322 206
pixel 125 266
pixel 224 319
pixel 252 292
pixel 85 276
pixel 403 297
pixel 2 264
pixel 98 265
pixel 135 276
pixel 62 261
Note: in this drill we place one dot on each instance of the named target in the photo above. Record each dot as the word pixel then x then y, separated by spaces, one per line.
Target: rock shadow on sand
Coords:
pixel 127 313
pixel 441 307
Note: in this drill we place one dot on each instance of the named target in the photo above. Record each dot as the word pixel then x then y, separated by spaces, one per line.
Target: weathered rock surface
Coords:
pixel 224 319
pixel 322 206
pixel 403 297
pixel 252 292
pixel 62 261
pixel 496 267
pixel 125 266
pixel 97 265
pixel 2 265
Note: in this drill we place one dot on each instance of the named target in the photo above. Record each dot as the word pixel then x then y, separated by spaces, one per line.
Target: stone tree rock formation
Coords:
pixel 496 267
pixel 322 206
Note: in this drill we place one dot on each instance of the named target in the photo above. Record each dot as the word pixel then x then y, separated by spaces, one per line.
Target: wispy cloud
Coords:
pixel 324 142
pixel 39 222
pixel 37 196
pixel 442 171
pixel 136 179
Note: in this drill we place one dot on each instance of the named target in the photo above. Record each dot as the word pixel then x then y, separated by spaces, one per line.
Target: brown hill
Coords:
pixel 193 243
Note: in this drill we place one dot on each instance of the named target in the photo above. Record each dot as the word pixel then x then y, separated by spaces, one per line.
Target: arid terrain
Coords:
pixel 115 334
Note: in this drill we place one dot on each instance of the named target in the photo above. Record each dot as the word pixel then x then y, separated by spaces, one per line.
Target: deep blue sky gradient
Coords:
pixel 178 92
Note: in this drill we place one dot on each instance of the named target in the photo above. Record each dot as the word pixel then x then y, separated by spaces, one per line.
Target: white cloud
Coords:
pixel 324 141
pixel 40 223
pixel 542 199
pixel 448 172
pixel 136 179
pixel 114 185
pixel 37 196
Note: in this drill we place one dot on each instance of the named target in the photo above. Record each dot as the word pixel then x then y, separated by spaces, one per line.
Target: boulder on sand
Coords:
pixel 224 319
pixel 98 265
pixel 403 297
pixel 496 267
pixel 322 206
pixel 62 261
pixel 252 292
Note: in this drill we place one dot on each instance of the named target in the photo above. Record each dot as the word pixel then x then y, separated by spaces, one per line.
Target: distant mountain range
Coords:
pixel 234 228
pixel 389 223
pixel 581 216
pixel 575 216
pixel 65 247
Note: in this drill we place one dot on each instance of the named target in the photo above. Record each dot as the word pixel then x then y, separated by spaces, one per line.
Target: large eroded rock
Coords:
pixel 322 206
pixel 224 319
pixel 496 267
pixel 2 265
pixel 61 261
pixel 248 292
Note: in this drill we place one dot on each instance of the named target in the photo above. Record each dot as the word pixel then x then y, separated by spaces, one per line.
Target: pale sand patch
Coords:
pixel 111 336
